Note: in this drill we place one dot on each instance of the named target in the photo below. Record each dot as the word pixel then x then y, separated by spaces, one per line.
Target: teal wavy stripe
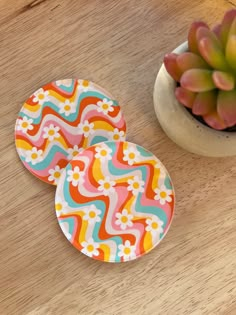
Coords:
pixel 73 116
pixel 46 161
pixel 98 139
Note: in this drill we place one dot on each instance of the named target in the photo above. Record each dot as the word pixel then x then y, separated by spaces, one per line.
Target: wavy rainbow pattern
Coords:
pixel 114 201
pixel 60 119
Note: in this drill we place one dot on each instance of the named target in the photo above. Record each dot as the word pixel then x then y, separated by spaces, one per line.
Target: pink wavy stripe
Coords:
pixel 57 157
pixel 94 113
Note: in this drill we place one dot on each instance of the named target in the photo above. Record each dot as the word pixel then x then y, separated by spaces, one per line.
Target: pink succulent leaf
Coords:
pixel 197 80
pixel 226 107
pixel 226 25
pixel 203 32
pixel 172 67
pixel 185 97
pixel 204 103
pixel 189 60
pixel 213 54
pixel 213 120
pixel 192 39
pixel 223 80
pixel 217 30
pixel 230 52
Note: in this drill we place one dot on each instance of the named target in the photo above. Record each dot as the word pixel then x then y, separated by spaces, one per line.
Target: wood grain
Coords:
pixel 120 45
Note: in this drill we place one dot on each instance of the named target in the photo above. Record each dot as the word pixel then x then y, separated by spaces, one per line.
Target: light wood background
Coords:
pixel 120 45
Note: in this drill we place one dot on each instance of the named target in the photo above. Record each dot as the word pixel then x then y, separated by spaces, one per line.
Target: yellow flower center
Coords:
pixel 116 137
pixel 105 106
pixel 67 107
pixel 92 214
pixel 163 194
pixel 154 225
pixel 132 155
pixel 103 152
pixel 136 185
pixel 90 248
pixel 25 124
pixel 76 176
pixel 107 185
pixel 127 250
pixel 57 174
pixel 51 132
pixel 85 83
pixel 86 128
pixel 41 96
pixel 34 156
pixel 75 153
pixel 124 219
pixel 58 206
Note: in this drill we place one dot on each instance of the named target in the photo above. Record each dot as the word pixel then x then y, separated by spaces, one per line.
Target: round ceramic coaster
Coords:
pixel 114 201
pixel 62 118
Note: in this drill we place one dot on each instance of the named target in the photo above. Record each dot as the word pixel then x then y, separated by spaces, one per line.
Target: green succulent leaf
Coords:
pixel 230 52
pixel 213 54
pixel 223 80
pixel 170 62
pixel 197 80
pixel 192 39
pixel 213 120
pixel 226 25
pixel 189 60
pixel 204 103
pixel 226 107
pixel 185 97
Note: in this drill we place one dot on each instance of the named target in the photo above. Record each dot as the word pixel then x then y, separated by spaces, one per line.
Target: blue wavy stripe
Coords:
pixel 47 161
pixel 71 223
pixel 98 139
pixel 73 116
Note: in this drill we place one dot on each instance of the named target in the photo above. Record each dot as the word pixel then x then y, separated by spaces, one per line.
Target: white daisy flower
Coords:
pixel 86 128
pixel 136 185
pixel 76 176
pixel 131 155
pixel 117 135
pixel 41 96
pixel 55 174
pixel 67 108
pixel 124 219
pixel 24 124
pixel 65 228
pixel 51 132
pixel 105 106
pixel 127 251
pixel 90 248
pixel 106 186
pixel 155 226
pixel 72 152
pixel 84 85
pixel 163 194
pixel 60 206
pixel 34 156
pixel 65 82
pixel 92 214
pixel 103 153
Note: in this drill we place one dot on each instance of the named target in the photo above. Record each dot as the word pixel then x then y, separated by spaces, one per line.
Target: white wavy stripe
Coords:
pixel 49 147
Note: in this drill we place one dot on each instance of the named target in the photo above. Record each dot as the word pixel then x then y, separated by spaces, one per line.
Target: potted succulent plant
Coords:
pixel 195 90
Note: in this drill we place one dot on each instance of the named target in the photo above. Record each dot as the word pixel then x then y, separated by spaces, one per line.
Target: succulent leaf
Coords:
pixel 192 39
pixel 197 80
pixel 226 25
pixel 185 97
pixel 204 103
pixel 223 80
pixel 230 52
pixel 217 30
pixel 213 120
pixel 170 62
pixel 226 107
pixel 189 60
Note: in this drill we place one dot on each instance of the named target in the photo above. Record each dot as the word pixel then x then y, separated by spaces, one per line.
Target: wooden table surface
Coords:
pixel 120 45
